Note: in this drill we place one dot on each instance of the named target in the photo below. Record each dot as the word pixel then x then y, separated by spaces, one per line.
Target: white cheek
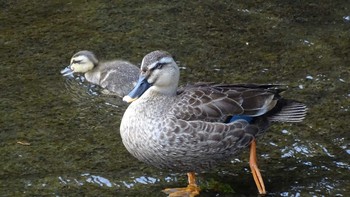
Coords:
pixel 78 68
pixel 164 79
pixel 151 79
pixel 82 68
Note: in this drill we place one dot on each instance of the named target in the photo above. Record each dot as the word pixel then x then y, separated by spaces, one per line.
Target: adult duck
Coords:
pixel 118 77
pixel 197 127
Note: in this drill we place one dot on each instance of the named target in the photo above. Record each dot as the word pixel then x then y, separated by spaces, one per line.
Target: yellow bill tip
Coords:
pixel 128 99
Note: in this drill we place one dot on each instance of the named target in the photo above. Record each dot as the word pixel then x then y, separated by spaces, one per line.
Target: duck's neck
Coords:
pixel 163 91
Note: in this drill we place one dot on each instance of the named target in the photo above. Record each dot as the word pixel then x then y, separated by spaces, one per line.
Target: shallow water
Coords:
pixel 60 137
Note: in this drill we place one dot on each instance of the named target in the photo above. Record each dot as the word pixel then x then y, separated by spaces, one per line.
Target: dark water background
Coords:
pixel 60 137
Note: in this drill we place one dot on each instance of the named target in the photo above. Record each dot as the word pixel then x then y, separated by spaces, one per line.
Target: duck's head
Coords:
pixel 159 72
pixel 81 62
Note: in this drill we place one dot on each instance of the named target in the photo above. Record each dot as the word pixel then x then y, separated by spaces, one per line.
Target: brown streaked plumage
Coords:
pixel 190 129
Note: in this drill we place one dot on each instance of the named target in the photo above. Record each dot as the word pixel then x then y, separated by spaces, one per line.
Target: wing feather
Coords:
pixel 215 102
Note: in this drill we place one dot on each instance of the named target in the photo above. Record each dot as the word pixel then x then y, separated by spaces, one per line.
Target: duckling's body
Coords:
pixel 117 76
pixel 192 129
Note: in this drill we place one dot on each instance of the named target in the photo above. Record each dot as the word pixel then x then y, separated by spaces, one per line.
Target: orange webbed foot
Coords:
pixel 190 191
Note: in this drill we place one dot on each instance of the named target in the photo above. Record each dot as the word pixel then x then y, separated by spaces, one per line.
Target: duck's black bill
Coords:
pixel 141 86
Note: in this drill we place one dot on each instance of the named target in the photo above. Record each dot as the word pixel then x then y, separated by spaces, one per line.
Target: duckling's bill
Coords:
pixel 67 71
pixel 141 86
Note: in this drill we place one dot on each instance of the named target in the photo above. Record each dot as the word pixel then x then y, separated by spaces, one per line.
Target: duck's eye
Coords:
pixel 159 65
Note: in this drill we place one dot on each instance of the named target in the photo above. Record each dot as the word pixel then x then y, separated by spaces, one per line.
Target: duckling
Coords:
pixel 117 77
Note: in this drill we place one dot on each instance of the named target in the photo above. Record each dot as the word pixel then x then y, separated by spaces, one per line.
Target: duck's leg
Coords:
pixel 190 191
pixel 255 170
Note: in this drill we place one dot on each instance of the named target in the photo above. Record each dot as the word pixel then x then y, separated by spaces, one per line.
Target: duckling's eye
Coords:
pixel 76 61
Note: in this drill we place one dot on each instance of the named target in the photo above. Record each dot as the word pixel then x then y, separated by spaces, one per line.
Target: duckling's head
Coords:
pixel 81 62
pixel 159 72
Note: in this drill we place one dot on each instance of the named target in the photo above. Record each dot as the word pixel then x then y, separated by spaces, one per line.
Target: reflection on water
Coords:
pixel 100 181
pixel 346 18
pixel 78 86
pixel 60 136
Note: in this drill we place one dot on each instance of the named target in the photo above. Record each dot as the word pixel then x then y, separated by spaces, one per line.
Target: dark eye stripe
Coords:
pixel 158 66
pixel 76 61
